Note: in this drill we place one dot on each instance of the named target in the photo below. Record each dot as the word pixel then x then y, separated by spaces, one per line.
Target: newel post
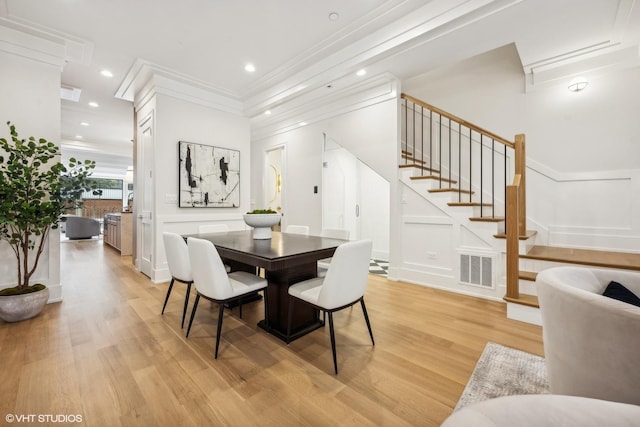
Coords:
pixel 521 167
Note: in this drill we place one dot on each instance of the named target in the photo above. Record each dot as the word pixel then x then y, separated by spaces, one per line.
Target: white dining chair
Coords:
pixel 213 228
pixel 179 266
pixel 215 284
pixel 332 233
pixel 297 229
pixel 343 286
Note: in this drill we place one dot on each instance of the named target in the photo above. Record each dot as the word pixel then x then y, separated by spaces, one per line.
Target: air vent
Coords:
pixel 477 270
pixel 70 93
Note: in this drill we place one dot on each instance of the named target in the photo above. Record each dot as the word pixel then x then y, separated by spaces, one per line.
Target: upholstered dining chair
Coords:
pixel 215 228
pixel 343 286
pixel 332 233
pixel 297 229
pixel 179 266
pixel 215 284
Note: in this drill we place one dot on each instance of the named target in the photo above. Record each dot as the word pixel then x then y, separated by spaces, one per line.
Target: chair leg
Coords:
pixel 220 316
pixel 289 319
pixel 333 342
pixel 193 313
pixel 168 293
pixel 366 318
pixel 186 303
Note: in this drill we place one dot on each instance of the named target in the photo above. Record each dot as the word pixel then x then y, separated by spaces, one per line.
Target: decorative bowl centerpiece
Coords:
pixel 262 220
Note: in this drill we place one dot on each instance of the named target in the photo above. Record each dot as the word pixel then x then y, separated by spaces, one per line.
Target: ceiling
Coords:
pixel 299 51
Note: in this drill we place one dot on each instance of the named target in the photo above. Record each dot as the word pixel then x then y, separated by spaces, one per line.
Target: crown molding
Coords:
pixel 16 39
pixel 403 33
pixel 43 44
pixel 290 116
pixel 146 78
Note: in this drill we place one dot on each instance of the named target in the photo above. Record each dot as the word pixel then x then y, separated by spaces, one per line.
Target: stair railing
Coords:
pixel 425 141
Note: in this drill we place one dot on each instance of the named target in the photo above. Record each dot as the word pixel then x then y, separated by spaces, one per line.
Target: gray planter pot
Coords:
pixel 14 308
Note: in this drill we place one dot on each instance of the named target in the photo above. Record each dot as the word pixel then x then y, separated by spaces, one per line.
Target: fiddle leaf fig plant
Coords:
pixel 36 189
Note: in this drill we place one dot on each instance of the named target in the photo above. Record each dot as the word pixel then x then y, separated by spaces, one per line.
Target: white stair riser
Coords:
pixel 527 287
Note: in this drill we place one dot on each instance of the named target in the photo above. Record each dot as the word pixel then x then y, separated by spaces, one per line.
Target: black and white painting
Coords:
pixel 209 177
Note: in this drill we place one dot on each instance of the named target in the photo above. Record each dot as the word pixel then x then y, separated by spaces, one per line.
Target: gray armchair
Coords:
pixel 591 342
pixel 81 227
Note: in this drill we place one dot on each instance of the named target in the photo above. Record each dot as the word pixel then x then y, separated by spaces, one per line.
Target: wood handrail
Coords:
pixel 459 120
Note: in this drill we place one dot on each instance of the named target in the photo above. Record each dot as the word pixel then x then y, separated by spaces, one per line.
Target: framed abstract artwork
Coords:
pixel 208 177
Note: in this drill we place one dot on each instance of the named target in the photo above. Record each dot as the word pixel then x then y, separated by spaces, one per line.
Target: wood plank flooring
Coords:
pixel 107 354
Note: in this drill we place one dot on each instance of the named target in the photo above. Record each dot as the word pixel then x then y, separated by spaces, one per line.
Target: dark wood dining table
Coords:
pixel 286 259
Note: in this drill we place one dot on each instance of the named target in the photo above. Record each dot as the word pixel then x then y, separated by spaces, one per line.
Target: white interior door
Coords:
pixel 340 196
pixel 145 214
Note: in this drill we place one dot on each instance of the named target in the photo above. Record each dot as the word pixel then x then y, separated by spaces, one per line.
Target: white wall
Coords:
pixel 582 148
pixel 368 132
pixel 30 87
pixel 182 120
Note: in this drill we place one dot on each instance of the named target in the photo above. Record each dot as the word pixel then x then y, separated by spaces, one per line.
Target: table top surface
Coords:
pixel 281 245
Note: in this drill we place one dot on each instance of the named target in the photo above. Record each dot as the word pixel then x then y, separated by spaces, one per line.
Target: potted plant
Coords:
pixel 35 190
pixel 262 220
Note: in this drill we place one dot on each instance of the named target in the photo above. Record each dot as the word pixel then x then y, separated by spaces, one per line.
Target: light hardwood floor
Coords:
pixel 107 354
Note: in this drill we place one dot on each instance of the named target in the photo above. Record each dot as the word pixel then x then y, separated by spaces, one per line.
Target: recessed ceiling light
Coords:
pixel 93 104
pixel 78 136
pixel 267 113
pixel 84 124
pixel 106 73
pixel 250 68
pixel 361 72
pixel 303 123
pixel 333 16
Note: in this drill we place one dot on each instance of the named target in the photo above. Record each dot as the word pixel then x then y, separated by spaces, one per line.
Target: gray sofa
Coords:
pixel 591 342
pixel 80 227
pixel 545 410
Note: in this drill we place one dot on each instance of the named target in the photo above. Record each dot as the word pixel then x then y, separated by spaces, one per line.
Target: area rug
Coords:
pixel 504 371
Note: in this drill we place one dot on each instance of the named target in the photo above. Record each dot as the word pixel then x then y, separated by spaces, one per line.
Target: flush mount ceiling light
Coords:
pixel 578 84
pixel 250 68
pixel 361 72
pixel 93 104
pixel 106 73
pixel 70 93
pixel 84 124
pixel 267 113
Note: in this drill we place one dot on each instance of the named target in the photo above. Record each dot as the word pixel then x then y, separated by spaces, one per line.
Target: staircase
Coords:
pixel 485 176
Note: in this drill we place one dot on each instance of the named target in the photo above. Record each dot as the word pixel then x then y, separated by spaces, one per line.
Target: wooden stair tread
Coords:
pixel 447 190
pixel 608 259
pixel 527 275
pixel 425 168
pixel 524 299
pixel 487 219
pixel 529 234
pixel 437 177
pixel 469 204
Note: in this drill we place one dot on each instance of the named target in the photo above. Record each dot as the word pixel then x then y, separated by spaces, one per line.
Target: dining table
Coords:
pixel 286 259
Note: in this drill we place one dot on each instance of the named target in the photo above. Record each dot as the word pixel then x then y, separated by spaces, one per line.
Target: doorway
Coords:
pixel 144 232
pixel 274 181
pixel 355 197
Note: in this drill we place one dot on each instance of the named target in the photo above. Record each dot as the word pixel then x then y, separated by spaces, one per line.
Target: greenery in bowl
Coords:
pixel 262 211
